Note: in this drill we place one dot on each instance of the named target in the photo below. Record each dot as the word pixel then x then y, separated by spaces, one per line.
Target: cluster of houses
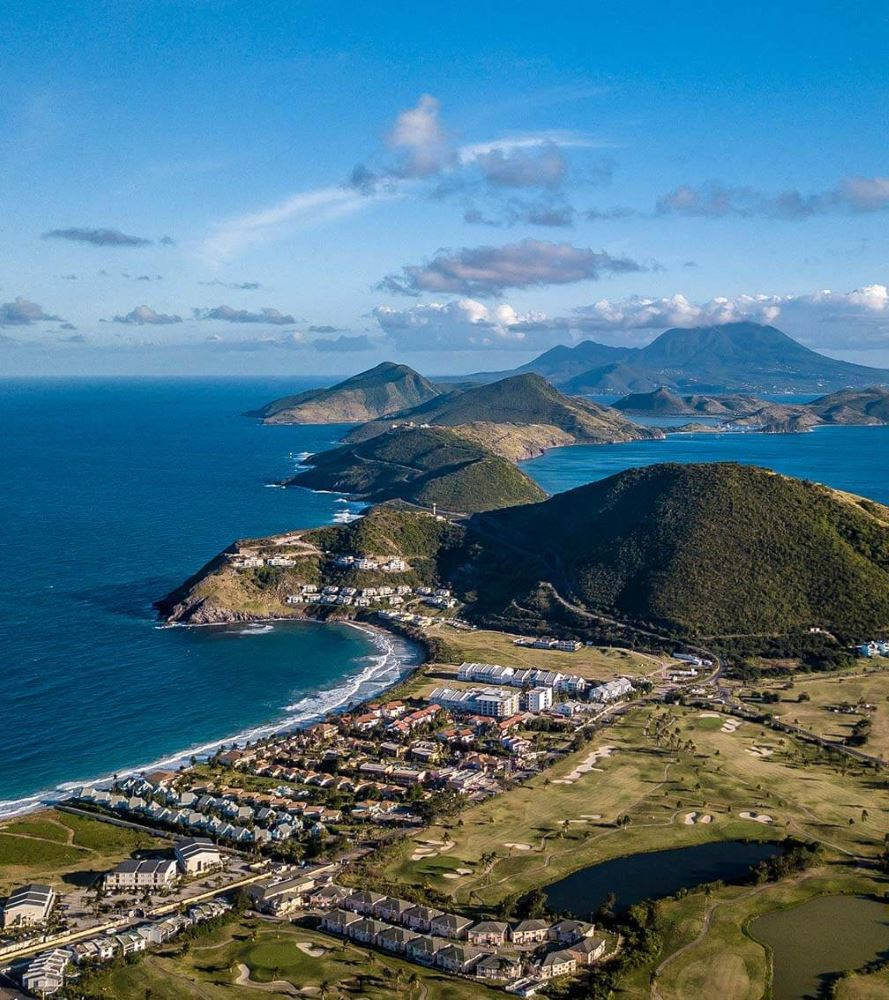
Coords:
pixel 874 647
pixel 487 949
pixel 233 815
pixel 357 597
pixel 381 564
pixel 366 597
pixel 45 974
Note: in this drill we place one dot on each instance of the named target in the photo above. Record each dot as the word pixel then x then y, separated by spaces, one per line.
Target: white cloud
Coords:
pixel 641 313
pixel 463 324
pixel 420 139
pixel 145 315
pixel 840 321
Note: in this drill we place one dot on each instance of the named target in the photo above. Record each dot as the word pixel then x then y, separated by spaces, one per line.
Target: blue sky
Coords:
pixel 218 188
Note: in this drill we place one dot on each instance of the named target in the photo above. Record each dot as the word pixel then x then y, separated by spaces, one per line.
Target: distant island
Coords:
pixel 382 390
pixel 732 357
pixel 865 407
pixel 458 449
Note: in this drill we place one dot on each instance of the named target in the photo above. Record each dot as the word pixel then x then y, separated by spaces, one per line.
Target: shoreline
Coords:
pixel 397 657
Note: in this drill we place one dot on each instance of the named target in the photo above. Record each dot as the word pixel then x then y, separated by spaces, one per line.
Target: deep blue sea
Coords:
pixel 115 490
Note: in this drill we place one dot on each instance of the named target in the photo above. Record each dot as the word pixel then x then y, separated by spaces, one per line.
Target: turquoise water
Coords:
pixel 114 491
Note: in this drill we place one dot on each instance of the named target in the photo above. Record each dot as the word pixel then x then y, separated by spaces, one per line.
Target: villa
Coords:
pixel 28 906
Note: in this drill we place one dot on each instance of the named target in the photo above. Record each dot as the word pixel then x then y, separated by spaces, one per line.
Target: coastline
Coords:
pixel 398 656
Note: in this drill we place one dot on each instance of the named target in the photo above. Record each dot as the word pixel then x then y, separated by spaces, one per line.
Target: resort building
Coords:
pixel 197 856
pixel 28 906
pixel 156 873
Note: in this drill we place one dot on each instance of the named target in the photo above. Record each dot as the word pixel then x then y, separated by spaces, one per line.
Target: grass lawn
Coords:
pixel 656 787
pixel 871 687
pixel 277 953
pixel 47 846
pixel 859 986
pixel 593 662
pixel 707 951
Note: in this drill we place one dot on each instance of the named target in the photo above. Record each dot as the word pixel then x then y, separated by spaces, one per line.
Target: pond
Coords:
pixel 825 935
pixel 656 874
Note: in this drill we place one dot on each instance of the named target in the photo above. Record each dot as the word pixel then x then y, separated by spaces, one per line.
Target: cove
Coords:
pixel 655 874
pixel 825 935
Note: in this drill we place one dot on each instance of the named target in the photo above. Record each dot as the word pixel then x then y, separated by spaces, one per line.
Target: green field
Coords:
pixel 601 663
pixel 48 846
pixel 824 692
pixel 657 787
pixel 282 959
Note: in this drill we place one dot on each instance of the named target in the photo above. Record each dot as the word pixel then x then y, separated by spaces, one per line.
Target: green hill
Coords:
pixel 731 357
pixel 716 548
pixel 384 389
pixel 520 399
pixel 424 465
pixel 665 402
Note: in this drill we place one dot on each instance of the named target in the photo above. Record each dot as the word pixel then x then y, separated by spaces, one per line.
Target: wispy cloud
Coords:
pixel 230 315
pixel 98 237
pixel 233 286
pixel 713 200
pixel 305 208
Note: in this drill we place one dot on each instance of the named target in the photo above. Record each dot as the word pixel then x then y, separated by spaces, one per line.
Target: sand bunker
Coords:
pixel 517 847
pixel 709 715
pixel 730 725
pixel 275 986
pixel 761 752
pixel 756 817
pixel 696 817
pixel 586 765
pixel 315 950
pixel 450 875
pixel 591 815
pixel 464 871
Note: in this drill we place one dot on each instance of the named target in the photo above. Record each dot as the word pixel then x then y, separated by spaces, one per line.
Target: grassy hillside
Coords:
pixel 717 548
pixel 424 465
pixel 384 389
pixel 696 550
pixel 521 399
pixel 730 356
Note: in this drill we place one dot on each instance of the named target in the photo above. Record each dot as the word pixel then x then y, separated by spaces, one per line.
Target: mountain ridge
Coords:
pixel 736 357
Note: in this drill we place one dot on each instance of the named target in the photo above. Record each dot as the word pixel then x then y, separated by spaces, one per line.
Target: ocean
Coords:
pixel 116 490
